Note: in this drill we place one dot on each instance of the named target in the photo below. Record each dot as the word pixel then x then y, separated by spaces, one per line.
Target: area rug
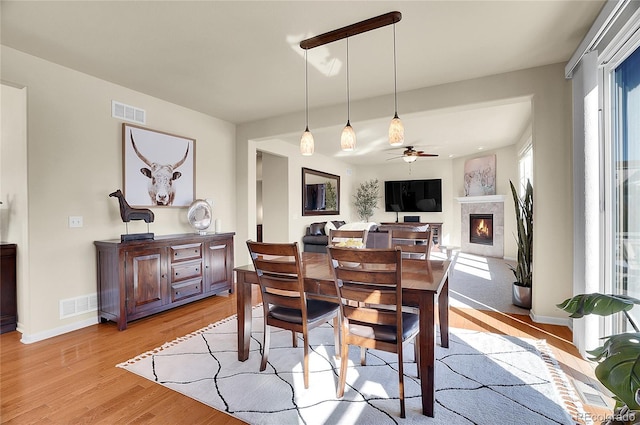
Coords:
pixel 482 378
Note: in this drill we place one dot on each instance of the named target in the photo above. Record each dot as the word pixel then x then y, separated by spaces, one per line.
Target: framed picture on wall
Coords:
pixel 158 168
pixel 480 176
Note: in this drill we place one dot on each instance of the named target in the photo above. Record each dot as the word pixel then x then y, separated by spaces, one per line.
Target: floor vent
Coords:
pixel 589 394
pixel 78 305
pixel 128 113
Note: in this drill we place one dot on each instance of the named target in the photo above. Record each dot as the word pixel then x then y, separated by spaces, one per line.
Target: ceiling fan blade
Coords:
pixel 427 154
pixel 395 157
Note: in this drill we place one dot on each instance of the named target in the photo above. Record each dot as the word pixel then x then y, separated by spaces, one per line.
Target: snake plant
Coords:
pixel 524 237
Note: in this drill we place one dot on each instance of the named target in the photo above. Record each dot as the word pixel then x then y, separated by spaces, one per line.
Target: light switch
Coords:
pixel 75 221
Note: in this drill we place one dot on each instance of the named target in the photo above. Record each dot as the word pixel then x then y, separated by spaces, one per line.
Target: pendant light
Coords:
pixel 348 137
pixel 396 128
pixel 306 141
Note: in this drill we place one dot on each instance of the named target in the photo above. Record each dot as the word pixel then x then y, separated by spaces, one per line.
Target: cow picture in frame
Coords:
pixel 158 168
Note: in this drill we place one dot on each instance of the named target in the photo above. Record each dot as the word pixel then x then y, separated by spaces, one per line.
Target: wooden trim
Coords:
pixel 351 30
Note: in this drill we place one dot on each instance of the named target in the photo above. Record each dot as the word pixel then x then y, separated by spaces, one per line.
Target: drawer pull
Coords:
pixel 177 273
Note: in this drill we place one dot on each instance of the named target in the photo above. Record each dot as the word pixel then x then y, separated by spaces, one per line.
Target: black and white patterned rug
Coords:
pixel 482 378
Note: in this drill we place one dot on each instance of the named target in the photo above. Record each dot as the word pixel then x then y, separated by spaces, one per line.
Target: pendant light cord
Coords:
pixel 348 106
pixel 395 77
pixel 306 90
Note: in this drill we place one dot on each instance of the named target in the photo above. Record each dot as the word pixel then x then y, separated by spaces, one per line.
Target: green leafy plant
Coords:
pixel 366 198
pixel 524 222
pixel 618 358
pixel 330 197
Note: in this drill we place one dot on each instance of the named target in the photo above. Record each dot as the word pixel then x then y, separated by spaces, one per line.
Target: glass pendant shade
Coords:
pixel 409 158
pixel 396 132
pixel 348 138
pixel 306 143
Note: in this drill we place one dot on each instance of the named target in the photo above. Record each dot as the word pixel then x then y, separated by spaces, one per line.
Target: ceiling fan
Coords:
pixel 410 155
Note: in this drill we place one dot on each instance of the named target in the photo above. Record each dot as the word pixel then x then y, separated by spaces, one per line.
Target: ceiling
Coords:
pixel 240 61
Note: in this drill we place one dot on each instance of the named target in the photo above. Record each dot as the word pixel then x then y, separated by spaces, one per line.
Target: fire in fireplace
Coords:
pixel 481 229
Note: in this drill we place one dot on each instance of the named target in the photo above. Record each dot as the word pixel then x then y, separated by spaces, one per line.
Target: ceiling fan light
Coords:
pixel 306 143
pixel 409 158
pixel 396 132
pixel 348 138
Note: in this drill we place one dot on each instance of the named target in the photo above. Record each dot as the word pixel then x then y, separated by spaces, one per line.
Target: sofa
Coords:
pixel 316 238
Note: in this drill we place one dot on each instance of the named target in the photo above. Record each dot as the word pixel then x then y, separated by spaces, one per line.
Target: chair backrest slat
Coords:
pixel 336 236
pixel 371 296
pixel 284 266
pixel 365 315
pixel 413 244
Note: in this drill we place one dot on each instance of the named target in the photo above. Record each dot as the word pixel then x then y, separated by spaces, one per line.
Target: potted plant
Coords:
pixel 366 199
pixel 522 287
pixel 618 358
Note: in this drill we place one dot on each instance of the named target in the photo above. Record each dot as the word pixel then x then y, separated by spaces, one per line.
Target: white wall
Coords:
pixel 74 160
pixel 275 198
pixel 14 211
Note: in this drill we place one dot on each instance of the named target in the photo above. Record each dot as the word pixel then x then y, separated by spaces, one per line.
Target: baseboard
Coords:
pixel 39 336
pixel 550 320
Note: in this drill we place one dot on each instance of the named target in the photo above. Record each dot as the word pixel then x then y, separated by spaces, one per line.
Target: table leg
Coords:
pixel 426 339
pixel 243 313
pixel 443 310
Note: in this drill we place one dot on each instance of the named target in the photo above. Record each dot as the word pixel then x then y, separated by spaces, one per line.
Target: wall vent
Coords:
pixel 78 305
pixel 128 113
pixel 590 394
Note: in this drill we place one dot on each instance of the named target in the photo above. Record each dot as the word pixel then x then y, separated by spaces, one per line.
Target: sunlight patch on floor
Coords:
pixel 482 273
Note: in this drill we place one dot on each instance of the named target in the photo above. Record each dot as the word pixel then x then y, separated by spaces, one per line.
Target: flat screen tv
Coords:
pixel 413 195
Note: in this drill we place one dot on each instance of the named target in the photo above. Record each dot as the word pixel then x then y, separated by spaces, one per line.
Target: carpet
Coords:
pixel 482 378
pixel 481 283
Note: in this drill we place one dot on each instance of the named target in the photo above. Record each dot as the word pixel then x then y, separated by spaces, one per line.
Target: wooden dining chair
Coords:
pixel 284 301
pixel 336 236
pixel 368 284
pixel 414 245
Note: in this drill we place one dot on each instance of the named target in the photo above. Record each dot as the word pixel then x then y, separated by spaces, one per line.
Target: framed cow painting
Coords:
pixel 159 168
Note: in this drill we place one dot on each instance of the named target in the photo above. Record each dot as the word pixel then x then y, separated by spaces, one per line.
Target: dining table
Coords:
pixel 425 284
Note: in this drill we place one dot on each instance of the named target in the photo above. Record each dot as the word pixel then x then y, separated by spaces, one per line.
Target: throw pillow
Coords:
pixel 359 225
pixel 328 227
pixel 316 229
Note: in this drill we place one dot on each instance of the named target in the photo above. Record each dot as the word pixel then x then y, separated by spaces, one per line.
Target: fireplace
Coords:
pixel 491 209
pixel 481 229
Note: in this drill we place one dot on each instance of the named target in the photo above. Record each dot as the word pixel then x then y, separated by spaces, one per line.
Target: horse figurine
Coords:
pixel 128 213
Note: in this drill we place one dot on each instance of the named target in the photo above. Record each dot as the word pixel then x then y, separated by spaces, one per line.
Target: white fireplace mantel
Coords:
pixel 480 199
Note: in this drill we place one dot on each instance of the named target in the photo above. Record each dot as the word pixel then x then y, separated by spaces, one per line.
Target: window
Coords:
pixel 525 167
pixel 626 179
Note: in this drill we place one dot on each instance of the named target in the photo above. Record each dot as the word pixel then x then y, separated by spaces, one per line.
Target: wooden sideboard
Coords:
pixel 140 278
pixel 8 300
pixel 436 230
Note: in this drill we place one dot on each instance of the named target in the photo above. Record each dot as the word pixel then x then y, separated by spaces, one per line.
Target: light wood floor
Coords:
pixel 72 379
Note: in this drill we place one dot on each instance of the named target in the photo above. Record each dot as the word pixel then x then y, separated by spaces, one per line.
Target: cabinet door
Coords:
pixel 146 281
pixel 218 266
